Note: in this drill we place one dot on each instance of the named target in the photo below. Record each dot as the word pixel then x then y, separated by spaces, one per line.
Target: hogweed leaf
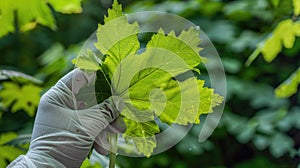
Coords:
pixel 156 83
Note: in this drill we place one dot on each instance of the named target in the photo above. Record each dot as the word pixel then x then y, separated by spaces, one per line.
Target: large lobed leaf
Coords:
pixel 157 82
pixel 24 97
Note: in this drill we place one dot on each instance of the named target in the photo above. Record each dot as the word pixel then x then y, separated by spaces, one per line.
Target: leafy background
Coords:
pixel 261 122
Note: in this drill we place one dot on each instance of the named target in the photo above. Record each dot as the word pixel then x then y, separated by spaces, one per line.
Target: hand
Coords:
pixel 68 121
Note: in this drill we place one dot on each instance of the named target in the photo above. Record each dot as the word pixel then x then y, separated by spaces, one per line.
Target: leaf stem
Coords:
pixel 113 140
pixel 252 57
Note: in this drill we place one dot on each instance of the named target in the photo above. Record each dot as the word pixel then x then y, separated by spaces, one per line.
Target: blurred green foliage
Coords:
pixel 25 15
pixel 9 153
pixel 257 129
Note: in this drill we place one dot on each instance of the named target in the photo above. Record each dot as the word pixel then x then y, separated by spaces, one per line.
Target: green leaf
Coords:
pixel 296 4
pixel 156 82
pixel 275 3
pixel 208 100
pixel 179 107
pixel 284 34
pixel 290 86
pixel 87 62
pixel 87 164
pixel 118 38
pixel 271 48
pixel 137 73
pixel 3 162
pixel 66 6
pixel 18 76
pixel 40 13
pixel 24 97
pixel 161 95
pixel 114 12
pixel 4 138
pixel 10 152
pixel 185 45
pixel 142 133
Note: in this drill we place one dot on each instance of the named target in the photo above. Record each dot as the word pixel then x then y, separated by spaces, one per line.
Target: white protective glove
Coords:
pixel 65 127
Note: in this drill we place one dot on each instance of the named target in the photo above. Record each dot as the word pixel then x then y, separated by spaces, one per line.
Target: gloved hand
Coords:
pixel 66 125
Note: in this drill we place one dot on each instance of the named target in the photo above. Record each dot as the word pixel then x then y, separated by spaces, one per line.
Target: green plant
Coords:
pixel 284 34
pixel 147 75
pixel 8 152
pixel 40 13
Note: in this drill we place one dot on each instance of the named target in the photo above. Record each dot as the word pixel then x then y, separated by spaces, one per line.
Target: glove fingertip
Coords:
pixel 117 126
pixel 100 149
